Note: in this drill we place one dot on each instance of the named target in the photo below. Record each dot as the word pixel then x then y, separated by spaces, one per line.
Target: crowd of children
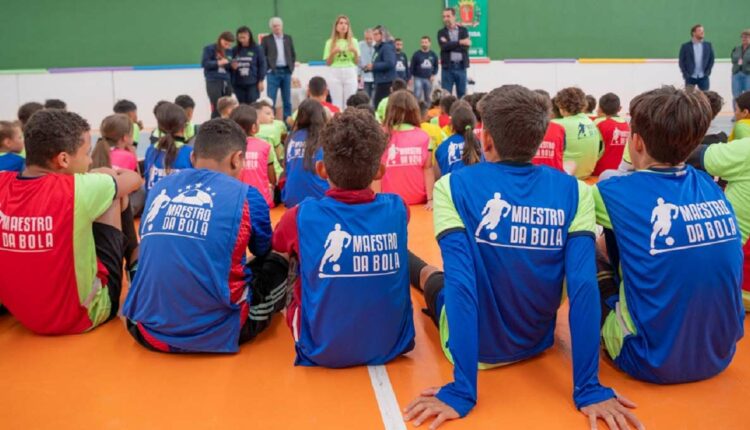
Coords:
pixel 515 223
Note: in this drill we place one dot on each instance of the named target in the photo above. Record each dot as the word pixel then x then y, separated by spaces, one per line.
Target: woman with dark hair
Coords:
pixel 216 57
pixel 248 67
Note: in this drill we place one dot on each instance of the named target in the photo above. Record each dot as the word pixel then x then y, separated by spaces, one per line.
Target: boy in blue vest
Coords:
pixel 194 290
pixel 510 234
pixel 674 311
pixel 351 302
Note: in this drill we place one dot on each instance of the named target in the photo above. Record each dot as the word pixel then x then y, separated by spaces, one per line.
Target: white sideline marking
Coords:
pixel 389 410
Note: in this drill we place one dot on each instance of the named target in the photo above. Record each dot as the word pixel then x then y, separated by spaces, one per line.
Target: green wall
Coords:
pixel 80 33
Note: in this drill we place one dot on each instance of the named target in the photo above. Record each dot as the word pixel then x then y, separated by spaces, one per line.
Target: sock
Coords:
pixel 416 265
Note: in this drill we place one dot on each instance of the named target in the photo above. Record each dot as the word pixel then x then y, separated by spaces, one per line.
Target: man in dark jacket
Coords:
pixel 696 59
pixel 383 64
pixel 454 53
pixel 279 50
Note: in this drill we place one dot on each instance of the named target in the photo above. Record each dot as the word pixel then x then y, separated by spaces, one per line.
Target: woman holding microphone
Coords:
pixel 341 54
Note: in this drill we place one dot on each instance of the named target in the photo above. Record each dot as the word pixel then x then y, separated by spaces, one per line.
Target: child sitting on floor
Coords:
pixel 194 290
pixel 61 230
pixel 351 302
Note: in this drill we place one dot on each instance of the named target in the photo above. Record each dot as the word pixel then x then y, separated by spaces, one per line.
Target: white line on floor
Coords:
pixel 389 409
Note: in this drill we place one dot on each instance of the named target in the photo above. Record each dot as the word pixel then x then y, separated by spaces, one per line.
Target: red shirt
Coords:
pixel 550 152
pixel 615 133
pixel 331 107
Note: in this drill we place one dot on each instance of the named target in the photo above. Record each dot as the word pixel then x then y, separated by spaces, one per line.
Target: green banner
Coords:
pixel 472 14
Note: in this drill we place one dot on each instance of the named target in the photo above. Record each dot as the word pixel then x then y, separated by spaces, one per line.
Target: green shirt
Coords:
pixel 582 143
pixel 94 193
pixel 741 130
pixel 382 107
pixel 731 162
pixel 345 57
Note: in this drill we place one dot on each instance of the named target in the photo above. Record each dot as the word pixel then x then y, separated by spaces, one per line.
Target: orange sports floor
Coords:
pixel 103 380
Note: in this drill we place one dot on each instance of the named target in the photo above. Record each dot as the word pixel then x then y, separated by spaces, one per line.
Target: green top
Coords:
pixel 345 57
pixel 136 132
pixel 381 110
pixel 741 130
pixel 272 132
pixel 731 162
pixel 582 143
pixel 94 193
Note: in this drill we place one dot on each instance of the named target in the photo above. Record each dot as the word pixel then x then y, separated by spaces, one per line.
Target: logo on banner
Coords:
pixel 703 224
pixel 525 227
pixel 187 215
pixel 469 13
pixel 349 255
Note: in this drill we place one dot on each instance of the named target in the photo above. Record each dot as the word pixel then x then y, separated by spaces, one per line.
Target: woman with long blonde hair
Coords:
pixel 341 54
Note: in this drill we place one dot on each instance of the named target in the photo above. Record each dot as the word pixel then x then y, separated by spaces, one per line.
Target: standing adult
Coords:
pixel 696 59
pixel 341 54
pixel 383 64
pixel 216 57
pixel 424 67
pixel 280 55
pixel 248 67
pixel 366 51
pixel 741 66
pixel 454 53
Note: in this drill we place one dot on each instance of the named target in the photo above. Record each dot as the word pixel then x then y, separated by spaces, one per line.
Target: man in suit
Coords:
pixel 454 53
pixel 280 56
pixel 696 59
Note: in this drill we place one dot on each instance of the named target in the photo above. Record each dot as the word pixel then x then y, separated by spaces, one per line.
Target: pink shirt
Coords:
pixel 255 172
pixel 123 159
pixel 405 159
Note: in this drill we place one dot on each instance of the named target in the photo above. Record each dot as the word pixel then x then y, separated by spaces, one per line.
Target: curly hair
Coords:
pixel 671 122
pixel 50 132
pixel 572 100
pixel 353 143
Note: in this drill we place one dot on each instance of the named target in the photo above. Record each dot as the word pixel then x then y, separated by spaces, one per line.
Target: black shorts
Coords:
pixel 433 286
pixel 110 249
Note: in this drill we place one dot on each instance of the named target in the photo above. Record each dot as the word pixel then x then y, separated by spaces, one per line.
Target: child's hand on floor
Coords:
pixel 426 406
pixel 614 412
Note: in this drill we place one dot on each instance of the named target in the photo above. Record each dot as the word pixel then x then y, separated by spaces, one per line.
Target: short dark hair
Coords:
pixel 218 138
pixel 398 39
pixel 427 37
pixel 446 102
pixel 517 120
pixel 158 105
pixel 245 116
pixel 450 9
pixel 55 104
pixel 27 110
pixel 358 98
pixel 671 122
pixel 546 97
pixel 353 144
pixel 716 102
pixel 473 100
pixel 590 103
pixel 743 101
pixel 695 27
pixel 50 132
pixel 185 101
pixel 398 84
pixel 317 86
pixel 609 104
pixel 260 104
pixel 572 99
pixel 124 106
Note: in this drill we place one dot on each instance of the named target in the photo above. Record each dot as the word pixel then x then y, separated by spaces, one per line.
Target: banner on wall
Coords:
pixel 472 14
